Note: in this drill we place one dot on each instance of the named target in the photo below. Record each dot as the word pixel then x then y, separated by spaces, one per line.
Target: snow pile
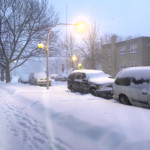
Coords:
pixel 34 118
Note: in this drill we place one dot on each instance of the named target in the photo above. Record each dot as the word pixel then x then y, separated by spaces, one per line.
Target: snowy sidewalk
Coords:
pixel 34 118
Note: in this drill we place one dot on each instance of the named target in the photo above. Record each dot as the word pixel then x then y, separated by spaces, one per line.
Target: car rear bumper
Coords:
pixel 105 94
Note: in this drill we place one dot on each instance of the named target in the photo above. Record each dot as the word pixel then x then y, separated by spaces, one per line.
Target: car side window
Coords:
pixel 72 76
pixel 123 81
pixel 78 76
pixel 140 83
pixel 83 76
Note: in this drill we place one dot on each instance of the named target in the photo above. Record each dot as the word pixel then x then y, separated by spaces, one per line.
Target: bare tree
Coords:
pixel 70 49
pixel 90 48
pixel 24 23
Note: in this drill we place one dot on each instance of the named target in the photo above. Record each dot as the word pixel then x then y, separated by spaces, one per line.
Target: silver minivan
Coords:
pixel 132 86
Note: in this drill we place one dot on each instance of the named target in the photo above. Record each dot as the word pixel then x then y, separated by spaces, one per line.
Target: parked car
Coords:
pixel 132 86
pixel 57 77
pixel 23 79
pixel 54 76
pixel 39 78
pixel 91 81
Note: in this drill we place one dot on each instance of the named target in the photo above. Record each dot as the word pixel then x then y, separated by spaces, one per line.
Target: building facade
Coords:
pixel 119 55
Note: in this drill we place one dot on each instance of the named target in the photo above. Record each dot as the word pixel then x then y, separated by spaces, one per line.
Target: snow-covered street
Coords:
pixel 34 118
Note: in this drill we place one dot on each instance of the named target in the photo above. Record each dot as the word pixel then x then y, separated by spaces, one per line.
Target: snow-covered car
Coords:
pixel 39 78
pixel 57 77
pixel 54 76
pixel 23 79
pixel 132 86
pixel 91 81
pixel 61 78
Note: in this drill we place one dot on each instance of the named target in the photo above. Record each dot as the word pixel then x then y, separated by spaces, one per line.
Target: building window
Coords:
pixel 109 52
pixel 123 50
pixel 122 66
pixel 133 48
pixel 133 64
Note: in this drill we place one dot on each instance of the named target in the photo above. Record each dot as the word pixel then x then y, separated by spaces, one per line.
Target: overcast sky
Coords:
pixel 122 17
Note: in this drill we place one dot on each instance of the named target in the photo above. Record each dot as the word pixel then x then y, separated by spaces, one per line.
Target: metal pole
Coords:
pixel 73 65
pixel 47 54
pixel 47 50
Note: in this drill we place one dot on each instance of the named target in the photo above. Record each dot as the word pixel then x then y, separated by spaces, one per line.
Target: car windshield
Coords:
pixel 40 75
pixel 96 75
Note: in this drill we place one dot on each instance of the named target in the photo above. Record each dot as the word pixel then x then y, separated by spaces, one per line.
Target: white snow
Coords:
pixel 102 80
pixel 136 72
pixel 34 118
pixel 40 75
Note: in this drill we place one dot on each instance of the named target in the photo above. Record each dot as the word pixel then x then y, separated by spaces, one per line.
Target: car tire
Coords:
pixel 93 92
pixel 124 100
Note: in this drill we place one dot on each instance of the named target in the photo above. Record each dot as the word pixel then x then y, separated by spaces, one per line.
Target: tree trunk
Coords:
pixel 2 75
pixel 8 79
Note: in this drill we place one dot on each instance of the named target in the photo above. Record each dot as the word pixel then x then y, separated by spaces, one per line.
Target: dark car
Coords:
pixel 91 81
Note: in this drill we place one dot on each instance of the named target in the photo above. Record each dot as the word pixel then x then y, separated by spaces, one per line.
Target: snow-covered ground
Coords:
pixel 34 118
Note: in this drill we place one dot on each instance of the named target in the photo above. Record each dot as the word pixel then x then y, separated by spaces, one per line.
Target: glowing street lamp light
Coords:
pixel 41 45
pixel 74 59
pixel 80 66
pixel 79 26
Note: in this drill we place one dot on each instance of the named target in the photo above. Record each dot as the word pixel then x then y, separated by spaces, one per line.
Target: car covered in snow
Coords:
pixel 95 82
pixel 24 79
pixel 132 86
pixel 57 77
pixel 39 78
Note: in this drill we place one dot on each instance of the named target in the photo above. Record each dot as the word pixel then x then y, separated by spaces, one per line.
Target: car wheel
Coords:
pixel 93 92
pixel 124 100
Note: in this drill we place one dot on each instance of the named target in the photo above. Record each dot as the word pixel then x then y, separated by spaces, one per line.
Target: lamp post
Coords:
pixel 79 26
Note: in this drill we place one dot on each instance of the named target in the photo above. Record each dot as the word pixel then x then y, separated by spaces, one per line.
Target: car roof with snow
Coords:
pixel 88 71
pixel 40 74
pixel 136 72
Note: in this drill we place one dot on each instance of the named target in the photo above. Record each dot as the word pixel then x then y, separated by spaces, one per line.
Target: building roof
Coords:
pixel 141 37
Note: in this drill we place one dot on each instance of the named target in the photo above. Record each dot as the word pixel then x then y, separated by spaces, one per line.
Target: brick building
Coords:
pixel 119 55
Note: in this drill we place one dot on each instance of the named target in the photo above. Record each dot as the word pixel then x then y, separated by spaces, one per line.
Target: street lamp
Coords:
pixel 79 26
pixel 74 59
pixel 80 66
pixel 41 45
